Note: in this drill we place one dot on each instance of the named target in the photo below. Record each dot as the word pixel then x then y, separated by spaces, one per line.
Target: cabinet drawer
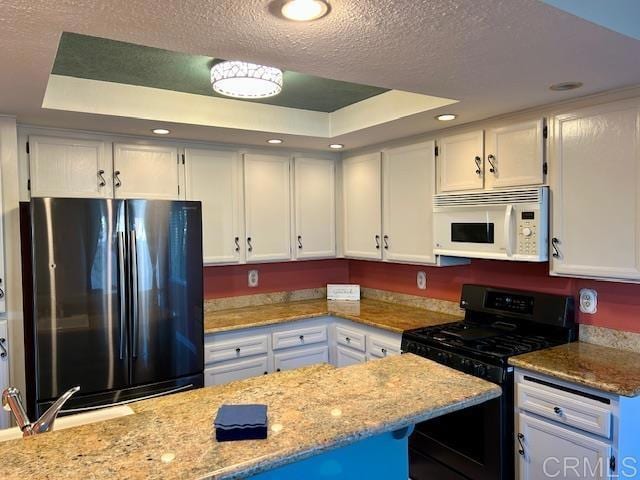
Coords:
pixel 299 336
pixel 228 349
pixel 236 370
pixel 382 347
pixel 350 338
pixel 347 356
pixel 301 357
pixel 565 408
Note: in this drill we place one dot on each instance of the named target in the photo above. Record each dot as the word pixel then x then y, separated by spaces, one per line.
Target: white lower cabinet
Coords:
pixel 565 430
pixel 4 370
pixel 240 354
pixel 346 356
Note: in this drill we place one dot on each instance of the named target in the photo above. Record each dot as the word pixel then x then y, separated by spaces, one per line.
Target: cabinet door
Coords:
pixel 315 207
pixel 267 207
pixel 236 370
pixel 362 206
pixel 146 171
pixel 68 167
pixel 595 182
pixel 4 370
pixel 214 177
pixel 515 155
pixel 552 451
pixel 460 162
pixel 300 357
pixel 346 356
pixel 408 187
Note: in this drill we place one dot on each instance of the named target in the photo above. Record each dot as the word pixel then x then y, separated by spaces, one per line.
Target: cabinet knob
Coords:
pixel 278 370
pixel 347 339
pixel 384 351
pixel 266 373
pixel 302 338
pixel 557 410
pixel 238 350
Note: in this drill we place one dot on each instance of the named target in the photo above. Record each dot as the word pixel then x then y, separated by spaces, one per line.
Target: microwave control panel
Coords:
pixel 527 233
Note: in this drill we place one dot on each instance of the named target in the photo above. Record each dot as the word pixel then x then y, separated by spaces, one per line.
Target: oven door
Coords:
pixel 473 443
pixel 487 231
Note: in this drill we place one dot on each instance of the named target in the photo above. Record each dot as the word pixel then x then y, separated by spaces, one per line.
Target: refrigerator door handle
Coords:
pixel 134 294
pixel 122 288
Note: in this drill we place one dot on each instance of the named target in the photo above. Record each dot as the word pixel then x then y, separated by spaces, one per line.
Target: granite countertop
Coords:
pixel 311 410
pixel 390 316
pixel 603 368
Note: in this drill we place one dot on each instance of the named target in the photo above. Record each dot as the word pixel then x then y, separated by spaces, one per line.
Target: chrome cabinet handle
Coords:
pixel 249 244
pixel 554 245
pixel 3 349
pixel 236 240
pixel 300 241
pixel 478 161
pixel 491 158
pixel 378 242
pixel 520 439
pixel 386 242
pixel 101 181
pixel 116 178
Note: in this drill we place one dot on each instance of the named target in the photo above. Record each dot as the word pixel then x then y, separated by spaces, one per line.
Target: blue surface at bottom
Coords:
pixel 381 457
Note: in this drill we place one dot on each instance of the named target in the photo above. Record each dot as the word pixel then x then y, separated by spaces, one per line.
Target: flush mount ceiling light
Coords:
pixel 561 87
pixel 161 131
pixel 245 80
pixel 446 117
pixel 304 10
pixel 275 141
pixel 336 146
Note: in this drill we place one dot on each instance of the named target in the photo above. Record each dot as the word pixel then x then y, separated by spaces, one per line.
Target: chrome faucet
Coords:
pixel 12 401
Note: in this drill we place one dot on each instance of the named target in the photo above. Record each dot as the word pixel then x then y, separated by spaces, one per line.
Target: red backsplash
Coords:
pixel 618 303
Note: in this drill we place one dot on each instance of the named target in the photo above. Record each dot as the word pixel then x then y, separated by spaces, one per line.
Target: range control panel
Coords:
pixel 527 233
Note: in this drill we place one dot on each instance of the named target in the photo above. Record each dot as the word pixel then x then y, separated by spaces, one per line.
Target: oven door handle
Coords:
pixel 509 231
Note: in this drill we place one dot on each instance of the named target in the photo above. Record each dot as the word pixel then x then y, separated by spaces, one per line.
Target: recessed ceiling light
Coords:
pixel 446 117
pixel 274 141
pixel 245 80
pixel 561 87
pixel 304 10
pixel 336 146
pixel 161 131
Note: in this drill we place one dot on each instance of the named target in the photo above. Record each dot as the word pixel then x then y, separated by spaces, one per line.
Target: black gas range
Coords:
pixel 477 443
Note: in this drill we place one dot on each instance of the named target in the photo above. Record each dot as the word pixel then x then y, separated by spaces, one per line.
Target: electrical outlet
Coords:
pixel 588 301
pixel 253 278
pixel 421 280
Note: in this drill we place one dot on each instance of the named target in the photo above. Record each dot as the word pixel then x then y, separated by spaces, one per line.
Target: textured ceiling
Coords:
pixel 495 56
pixel 96 58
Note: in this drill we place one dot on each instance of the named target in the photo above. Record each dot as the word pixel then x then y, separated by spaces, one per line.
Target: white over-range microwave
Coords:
pixel 501 225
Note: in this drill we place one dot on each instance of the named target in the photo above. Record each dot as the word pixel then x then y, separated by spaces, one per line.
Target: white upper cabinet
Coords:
pixel 362 206
pixel 146 171
pixel 515 155
pixel 460 165
pixel 595 183
pixel 214 177
pixel 267 207
pixel 408 188
pixel 68 167
pixel 315 208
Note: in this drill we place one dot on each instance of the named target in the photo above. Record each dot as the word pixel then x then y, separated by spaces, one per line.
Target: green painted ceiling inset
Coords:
pixel 97 58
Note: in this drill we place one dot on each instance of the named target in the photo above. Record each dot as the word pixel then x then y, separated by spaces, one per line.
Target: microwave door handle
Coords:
pixel 508 231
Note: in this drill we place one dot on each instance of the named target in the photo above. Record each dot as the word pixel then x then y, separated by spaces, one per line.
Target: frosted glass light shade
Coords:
pixel 245 80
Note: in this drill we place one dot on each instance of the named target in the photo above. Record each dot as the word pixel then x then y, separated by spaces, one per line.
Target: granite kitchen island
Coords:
pixel 322 421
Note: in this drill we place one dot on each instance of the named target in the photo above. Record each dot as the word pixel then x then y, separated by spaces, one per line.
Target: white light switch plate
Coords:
pixel 343 292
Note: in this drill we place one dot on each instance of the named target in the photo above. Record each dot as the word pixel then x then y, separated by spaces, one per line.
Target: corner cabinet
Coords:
pixel 315 208
pixel 362 206
pixel 214 177
pixel 267 207
pixel 460 162
pixel 595 185
pixel 146 171
pixel 407 191
pixel 69 167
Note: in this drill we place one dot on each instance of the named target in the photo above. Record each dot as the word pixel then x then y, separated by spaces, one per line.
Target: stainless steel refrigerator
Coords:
pixel 116 300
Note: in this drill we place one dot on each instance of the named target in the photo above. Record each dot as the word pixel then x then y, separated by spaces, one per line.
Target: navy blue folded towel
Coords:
pixel 241 422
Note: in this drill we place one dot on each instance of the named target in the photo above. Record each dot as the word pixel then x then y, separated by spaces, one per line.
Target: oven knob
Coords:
pixel 480 370
pixel 526 231
pixel 411 348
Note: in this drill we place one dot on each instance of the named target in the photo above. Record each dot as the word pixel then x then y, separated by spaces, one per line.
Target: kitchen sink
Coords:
pixel 74 420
